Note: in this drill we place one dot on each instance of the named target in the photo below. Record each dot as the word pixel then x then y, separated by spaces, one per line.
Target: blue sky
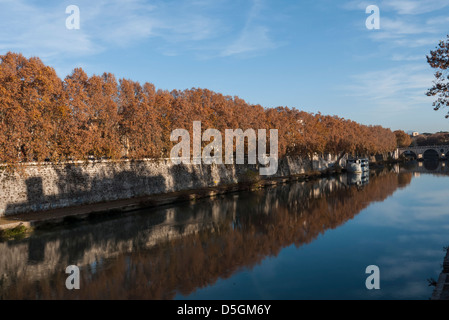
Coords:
pixel 314 55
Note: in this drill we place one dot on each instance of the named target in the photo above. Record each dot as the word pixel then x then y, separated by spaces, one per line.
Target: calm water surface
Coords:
pixel 305 240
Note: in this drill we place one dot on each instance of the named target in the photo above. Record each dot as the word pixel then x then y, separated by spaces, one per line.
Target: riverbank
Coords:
pixel 38 187
pixel 441 291
pixel 18 225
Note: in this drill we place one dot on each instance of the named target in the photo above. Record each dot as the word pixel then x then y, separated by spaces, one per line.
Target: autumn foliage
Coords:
pixel 45 118
pixel 403 139
pixel 435 139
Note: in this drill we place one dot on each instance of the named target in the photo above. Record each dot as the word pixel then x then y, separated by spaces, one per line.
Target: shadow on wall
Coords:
pixel 78 185
pixel 61 186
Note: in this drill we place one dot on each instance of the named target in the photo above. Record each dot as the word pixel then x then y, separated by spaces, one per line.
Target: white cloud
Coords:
pixel 428 210
pixel 401 7
pixel 254 37
pixel 401 26
pixel 176 26
pixel 427 42
pixel 415 7
pixel 356 5
pixel 402 57
pixel 408 30
pixel 406 82
pixel 40 31
pixel 404 23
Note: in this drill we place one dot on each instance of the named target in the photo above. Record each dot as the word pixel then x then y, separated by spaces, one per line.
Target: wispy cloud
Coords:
pixel 36 29
pixel 415 7
pixel 254 37
pixel 408 30
pixel 173 26
pixel 402 57
pixel 393 92
pixel 40 31
pixel 405 23
pixel 408 82
pixel 402 7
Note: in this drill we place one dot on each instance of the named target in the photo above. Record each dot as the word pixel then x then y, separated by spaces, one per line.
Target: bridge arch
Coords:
pixel 409 154
pixel 431 154
pixel 431 165
pixel 425 152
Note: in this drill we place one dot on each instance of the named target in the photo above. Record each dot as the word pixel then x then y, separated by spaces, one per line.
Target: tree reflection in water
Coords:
pixel 185 247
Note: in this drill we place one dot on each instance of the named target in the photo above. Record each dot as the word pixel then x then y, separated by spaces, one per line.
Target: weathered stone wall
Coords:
pixel 48 186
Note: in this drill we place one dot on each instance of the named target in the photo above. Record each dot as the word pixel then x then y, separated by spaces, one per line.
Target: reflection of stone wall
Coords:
pixel 54 186
pixel 38 257
pixel 183 247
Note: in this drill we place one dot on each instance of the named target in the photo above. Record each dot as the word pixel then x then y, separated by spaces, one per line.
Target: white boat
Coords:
pixel 358 178
pixel 357 165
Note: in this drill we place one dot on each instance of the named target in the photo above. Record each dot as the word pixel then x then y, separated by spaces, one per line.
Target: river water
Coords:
pixel 304 240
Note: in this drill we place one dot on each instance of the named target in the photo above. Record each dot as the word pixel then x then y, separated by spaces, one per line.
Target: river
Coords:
pixel 303 240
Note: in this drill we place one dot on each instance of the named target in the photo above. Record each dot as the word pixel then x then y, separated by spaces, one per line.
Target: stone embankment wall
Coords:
pixel 48 186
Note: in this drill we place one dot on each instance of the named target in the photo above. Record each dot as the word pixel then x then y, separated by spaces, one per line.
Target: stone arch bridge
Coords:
pixel 427 152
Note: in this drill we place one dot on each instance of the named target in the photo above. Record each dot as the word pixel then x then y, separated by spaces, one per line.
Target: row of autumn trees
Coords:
pixel 43 117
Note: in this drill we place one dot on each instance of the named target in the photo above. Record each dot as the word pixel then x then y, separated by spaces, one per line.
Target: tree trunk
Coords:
pixel 337 162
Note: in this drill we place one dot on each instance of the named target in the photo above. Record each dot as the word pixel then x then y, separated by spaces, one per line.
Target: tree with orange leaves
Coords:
pixel 82 117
